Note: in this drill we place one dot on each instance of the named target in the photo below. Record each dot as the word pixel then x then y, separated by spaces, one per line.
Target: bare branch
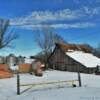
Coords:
pixel 46 40
pixel 5 40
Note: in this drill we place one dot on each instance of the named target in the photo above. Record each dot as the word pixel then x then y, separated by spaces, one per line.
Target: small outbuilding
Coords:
pixel 5 71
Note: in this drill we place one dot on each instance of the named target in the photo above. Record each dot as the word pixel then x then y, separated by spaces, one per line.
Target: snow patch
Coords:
pixel 87 59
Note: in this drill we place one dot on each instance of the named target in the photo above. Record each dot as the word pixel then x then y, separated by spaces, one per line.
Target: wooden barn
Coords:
pixel 74 58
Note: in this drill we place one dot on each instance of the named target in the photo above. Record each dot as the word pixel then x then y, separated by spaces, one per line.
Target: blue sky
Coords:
pixel 77 21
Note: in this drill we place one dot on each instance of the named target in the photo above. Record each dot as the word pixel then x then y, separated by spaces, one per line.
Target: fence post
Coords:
pixel 18 83
pixel 79 79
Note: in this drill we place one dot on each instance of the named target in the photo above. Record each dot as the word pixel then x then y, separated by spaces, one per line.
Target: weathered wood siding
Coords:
pixel 60 61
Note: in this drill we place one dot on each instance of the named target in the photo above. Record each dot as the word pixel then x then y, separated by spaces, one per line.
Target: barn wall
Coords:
pixel 59 61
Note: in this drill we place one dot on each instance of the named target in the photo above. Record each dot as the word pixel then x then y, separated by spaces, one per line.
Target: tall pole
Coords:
pixel 18 83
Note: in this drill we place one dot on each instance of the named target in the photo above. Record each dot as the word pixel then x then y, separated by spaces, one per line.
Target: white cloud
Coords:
pixel 58 26
pixel 92 11
pixel 45 16
pixel 74 25
pixel 36 18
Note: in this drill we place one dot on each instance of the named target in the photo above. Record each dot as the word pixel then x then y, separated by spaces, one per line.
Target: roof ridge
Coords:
pixel 79 47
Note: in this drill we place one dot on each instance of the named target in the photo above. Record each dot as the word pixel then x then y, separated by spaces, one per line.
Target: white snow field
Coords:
pixel 90 89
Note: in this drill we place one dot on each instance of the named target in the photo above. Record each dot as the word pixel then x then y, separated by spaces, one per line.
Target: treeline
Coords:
pixel 95 50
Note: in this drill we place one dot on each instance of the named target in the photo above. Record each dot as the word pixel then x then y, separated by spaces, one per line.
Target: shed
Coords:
pixel 5 71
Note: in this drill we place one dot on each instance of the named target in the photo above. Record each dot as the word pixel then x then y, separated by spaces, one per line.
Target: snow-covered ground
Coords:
pixel 90 89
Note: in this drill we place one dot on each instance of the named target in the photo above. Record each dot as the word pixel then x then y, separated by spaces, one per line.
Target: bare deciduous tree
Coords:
pixel 46 40
pixel 5 38
pixel 58 39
